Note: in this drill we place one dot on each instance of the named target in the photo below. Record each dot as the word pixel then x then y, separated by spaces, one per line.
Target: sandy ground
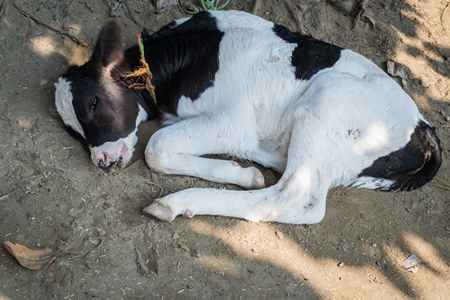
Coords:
pixel 51 194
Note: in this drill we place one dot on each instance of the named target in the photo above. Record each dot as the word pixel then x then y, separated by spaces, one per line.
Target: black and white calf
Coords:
pixel 228 82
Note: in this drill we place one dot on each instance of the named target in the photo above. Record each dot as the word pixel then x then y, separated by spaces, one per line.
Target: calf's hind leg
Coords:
pixel 284 202
pixel 298 198
pixel 177 149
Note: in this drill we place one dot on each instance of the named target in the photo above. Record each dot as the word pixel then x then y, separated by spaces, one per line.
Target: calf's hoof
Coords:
pixel 159 211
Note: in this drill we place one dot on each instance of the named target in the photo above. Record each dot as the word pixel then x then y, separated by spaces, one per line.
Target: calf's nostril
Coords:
pixel 103 161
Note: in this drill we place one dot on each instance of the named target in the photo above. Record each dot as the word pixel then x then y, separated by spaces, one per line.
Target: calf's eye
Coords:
pixel 93 105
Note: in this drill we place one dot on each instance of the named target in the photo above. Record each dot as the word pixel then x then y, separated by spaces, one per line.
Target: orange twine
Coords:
pixel 143 73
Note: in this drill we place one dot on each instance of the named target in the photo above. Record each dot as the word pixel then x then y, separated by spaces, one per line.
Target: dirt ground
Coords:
pixel 52 195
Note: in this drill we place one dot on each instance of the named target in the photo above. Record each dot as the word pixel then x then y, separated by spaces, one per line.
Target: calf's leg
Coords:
pixel 177 149
pixel 298 198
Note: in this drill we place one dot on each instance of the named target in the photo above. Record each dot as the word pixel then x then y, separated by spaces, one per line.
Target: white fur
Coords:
pixel 123 147
pixel 319 133
pixel 64 105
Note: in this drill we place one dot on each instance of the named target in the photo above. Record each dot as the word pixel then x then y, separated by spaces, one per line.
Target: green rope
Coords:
pixel 141 46
pixel 206 5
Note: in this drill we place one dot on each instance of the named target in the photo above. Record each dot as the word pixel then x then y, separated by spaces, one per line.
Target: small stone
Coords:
pixel 410 262
pixel 279 234
pixel 341 264
pixel 373 245
pixel 94 241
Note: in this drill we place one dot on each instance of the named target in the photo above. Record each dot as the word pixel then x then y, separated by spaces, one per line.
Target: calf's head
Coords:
pixel 95 104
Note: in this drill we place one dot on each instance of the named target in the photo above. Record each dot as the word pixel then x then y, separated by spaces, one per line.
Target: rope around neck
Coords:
pixel 142 73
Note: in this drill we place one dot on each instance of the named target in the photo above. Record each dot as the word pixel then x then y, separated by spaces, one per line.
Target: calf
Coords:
pixel 228 82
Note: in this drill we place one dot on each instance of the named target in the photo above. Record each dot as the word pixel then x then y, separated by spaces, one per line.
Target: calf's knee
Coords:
pixel 156 156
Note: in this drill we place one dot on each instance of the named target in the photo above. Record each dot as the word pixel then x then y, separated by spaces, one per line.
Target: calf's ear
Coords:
pixel 108 51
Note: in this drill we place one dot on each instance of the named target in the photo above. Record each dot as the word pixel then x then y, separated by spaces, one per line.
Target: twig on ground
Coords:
pixel 446 187
pixel 65 33
pixel 3 9
pixel 362 9
pixel 131 17
pixel 256 6
pixel 442 17
pixel 295 12
pixel 440 186
pixel 9 131
pixel 7 195
pixel 442 181
pixel 114 8
pixel 91 9
pixel 157 185
pixel 90 251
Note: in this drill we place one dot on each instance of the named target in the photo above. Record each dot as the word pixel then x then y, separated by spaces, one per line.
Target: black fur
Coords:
pixel 311 55
pixel 184 59
pixel 413 165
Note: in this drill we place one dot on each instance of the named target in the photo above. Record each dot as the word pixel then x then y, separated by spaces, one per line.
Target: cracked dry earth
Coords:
pixel 51 194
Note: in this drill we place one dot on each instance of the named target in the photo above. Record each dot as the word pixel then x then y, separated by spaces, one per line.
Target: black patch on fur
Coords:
pixel 311 55
pixel 183 59
pixel 413 165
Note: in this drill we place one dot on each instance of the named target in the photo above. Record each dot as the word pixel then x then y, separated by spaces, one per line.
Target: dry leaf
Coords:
pixel 33 259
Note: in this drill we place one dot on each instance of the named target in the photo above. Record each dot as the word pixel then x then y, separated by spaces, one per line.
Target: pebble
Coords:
pixel 341 264
pixel 374 245
pixel 279 234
